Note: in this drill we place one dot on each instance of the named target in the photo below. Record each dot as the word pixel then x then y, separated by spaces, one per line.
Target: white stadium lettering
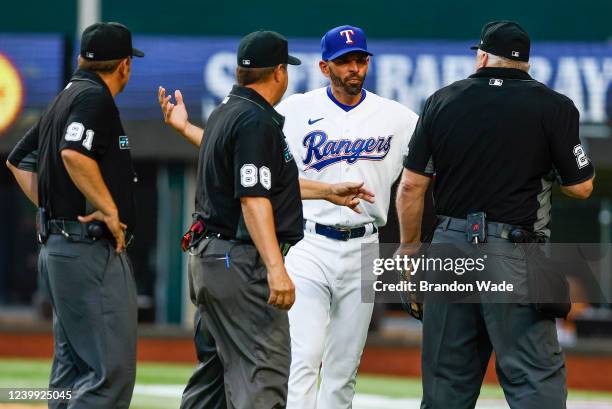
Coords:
pixel 411 77
pixel 541 69
pixel 392 73
pixel 219 79
pixel 597 78
pixel 426 79
pixel 455 68
pixel 568 81
pixel 305 76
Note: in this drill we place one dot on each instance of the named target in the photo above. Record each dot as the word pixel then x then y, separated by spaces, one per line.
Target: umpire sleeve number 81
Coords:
pixel 75 132
pixel 249 176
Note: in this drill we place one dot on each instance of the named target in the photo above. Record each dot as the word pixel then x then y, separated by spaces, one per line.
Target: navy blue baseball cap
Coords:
pixel 341 40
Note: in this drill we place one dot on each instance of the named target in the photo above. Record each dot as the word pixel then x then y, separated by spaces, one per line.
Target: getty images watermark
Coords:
pixel 413 266
pixel 488 272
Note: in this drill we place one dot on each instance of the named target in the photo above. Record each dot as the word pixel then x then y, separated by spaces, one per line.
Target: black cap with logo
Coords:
pixel 262 49
pixel 506 39
pixel 107 41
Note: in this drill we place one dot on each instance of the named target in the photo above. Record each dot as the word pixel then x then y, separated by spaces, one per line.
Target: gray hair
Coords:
pixel 503 62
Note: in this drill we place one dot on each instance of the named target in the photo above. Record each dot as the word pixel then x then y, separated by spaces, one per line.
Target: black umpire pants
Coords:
pixel 93 294
pixel 242 342
pixel 458 340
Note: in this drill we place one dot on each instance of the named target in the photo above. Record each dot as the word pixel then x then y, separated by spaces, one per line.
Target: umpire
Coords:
pixel 248 198
pixel 75 165
pixel 492 140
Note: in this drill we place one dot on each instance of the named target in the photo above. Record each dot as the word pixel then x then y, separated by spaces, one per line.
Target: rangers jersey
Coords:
pixel 334 143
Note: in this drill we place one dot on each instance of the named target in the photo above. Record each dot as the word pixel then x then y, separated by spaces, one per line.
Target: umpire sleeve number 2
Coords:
pixel 250 175
pixel 75 131
pixel 581 158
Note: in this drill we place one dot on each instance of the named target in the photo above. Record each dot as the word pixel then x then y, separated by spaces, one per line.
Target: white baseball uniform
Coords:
pixel 333 143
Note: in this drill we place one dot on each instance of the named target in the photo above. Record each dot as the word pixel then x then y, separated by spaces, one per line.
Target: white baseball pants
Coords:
pixel 328 322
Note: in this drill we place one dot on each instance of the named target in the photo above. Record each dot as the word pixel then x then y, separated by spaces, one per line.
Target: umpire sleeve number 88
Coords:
pixel 249 176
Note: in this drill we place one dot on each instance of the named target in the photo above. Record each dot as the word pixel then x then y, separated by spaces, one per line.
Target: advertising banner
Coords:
pixel 407 71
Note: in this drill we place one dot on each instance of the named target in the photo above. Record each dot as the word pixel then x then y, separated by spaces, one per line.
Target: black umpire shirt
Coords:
pixel 245 153
pixel 84 118
pixel 495 142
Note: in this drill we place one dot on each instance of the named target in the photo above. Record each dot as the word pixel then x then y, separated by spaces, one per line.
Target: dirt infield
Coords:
pixel 583 371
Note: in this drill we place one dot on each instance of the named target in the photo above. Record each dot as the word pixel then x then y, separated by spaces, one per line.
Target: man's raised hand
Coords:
pixel 175 114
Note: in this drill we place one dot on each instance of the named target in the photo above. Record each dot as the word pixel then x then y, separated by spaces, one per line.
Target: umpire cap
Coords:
pixel 107 41
pixel 506 39
pixel 261 49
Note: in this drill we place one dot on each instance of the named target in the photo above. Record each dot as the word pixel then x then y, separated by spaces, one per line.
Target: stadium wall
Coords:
pixel 442 19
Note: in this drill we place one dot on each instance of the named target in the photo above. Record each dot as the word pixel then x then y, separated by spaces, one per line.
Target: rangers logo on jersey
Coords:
pixel 321 152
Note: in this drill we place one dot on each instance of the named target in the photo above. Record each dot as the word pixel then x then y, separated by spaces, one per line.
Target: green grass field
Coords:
pixel 16 373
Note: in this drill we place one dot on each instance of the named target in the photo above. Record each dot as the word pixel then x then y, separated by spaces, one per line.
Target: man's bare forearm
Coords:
pixel 28 182
pixel 410 215
pixel 85 174
pixel 410 203
pixel 581 190
pixel 259 220
pixel 193 134
pixel 310 189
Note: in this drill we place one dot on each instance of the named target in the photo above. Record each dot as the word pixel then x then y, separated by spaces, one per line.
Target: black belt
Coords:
pixel 82 231
pixel 512 233
pixel 68 228
pixel 341 233
pixel 284 246
pixel 494 229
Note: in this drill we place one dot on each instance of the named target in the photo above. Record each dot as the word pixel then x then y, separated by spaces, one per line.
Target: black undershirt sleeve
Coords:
pixel 25 154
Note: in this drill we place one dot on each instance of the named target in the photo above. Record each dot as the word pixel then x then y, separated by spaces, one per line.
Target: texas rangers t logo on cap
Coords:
pixel 342 40
pixel 347 34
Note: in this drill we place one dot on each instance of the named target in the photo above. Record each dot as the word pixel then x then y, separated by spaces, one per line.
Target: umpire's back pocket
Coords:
pixel 548 286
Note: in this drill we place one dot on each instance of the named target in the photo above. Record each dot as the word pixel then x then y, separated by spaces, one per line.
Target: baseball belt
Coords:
pixel 77 231
pixel 284 246
pixel 339 233
pixel 512 233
